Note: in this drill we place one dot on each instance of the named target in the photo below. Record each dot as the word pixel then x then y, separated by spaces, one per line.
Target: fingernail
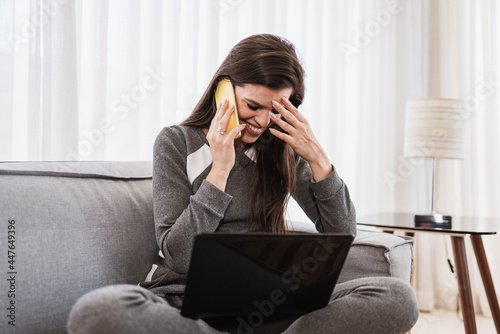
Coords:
pixel 285 100
pixel 272 115
pixel 276 104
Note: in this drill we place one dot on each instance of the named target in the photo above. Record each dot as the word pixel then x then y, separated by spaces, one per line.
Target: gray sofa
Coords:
pixel 70 227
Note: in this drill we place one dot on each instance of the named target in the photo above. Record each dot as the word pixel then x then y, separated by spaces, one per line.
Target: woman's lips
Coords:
pixel 254 130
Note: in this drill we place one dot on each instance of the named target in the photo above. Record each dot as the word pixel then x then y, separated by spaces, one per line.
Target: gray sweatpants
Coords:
pixel 367 305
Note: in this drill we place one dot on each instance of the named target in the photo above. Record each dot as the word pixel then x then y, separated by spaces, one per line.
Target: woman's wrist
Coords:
pixel 218 178
pixel 321 167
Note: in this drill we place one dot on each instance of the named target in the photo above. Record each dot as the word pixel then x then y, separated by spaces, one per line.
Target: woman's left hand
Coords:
pixel 299 135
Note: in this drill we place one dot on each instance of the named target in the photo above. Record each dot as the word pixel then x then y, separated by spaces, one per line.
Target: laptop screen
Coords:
pixel 233 274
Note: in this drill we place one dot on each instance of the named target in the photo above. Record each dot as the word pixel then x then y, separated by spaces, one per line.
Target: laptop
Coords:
pixel 262 275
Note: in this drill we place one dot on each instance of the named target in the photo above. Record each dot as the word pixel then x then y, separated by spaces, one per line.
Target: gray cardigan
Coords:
pixel 186 204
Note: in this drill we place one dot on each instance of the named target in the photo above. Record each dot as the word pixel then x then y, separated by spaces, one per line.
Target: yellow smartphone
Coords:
pixel 225 91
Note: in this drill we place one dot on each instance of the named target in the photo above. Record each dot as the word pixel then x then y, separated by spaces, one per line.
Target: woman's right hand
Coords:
pixel 222 146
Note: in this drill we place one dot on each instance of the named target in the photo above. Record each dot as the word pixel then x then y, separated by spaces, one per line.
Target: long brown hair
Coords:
pixel 269 61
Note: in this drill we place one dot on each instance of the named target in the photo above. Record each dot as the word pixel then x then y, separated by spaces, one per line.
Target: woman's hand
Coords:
pixel 300 137
pixel 222 146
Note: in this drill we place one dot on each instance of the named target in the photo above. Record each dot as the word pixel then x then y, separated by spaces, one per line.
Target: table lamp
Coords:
pixel 434 129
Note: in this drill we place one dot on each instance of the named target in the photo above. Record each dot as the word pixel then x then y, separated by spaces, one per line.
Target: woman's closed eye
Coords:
pixel 253 108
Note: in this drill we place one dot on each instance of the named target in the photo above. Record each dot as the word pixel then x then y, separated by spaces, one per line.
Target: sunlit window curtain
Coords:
pixel 464 39
pixel 39 97
pixel 97 80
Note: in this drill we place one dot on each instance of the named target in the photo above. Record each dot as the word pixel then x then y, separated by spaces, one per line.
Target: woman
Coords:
pixel 206 180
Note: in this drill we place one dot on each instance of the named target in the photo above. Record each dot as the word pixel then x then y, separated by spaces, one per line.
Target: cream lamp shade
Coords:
pixel 435 128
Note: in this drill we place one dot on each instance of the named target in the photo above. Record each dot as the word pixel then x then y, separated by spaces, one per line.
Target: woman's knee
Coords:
pixel 104 308
pixel 403 297
pixel 389 302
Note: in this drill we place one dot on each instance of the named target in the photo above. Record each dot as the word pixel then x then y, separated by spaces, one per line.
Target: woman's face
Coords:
pixel 254 102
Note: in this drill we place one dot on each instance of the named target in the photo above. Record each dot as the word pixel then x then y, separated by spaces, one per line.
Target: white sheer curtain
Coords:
pixel 464 53
pixel 97 80
pixel 93 80
pixel 39 97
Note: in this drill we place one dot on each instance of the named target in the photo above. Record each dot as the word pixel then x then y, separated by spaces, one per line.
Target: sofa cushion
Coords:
pixel 78 226
pixel 372 253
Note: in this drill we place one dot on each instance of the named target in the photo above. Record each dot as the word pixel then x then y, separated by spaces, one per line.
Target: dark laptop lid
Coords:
pixel 236 274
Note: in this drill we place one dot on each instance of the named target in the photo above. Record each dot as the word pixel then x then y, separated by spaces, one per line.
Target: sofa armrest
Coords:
pixel 379 254
pixel 78 226
pixel 372 254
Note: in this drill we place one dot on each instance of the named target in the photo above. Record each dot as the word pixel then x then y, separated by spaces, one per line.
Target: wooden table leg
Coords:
pixel 484 269
pixel 464 288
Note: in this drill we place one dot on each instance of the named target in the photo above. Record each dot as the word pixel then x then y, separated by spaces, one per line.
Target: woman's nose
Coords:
pixel 263 119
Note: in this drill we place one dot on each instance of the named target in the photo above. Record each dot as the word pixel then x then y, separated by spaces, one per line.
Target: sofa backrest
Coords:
pixel 70 227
